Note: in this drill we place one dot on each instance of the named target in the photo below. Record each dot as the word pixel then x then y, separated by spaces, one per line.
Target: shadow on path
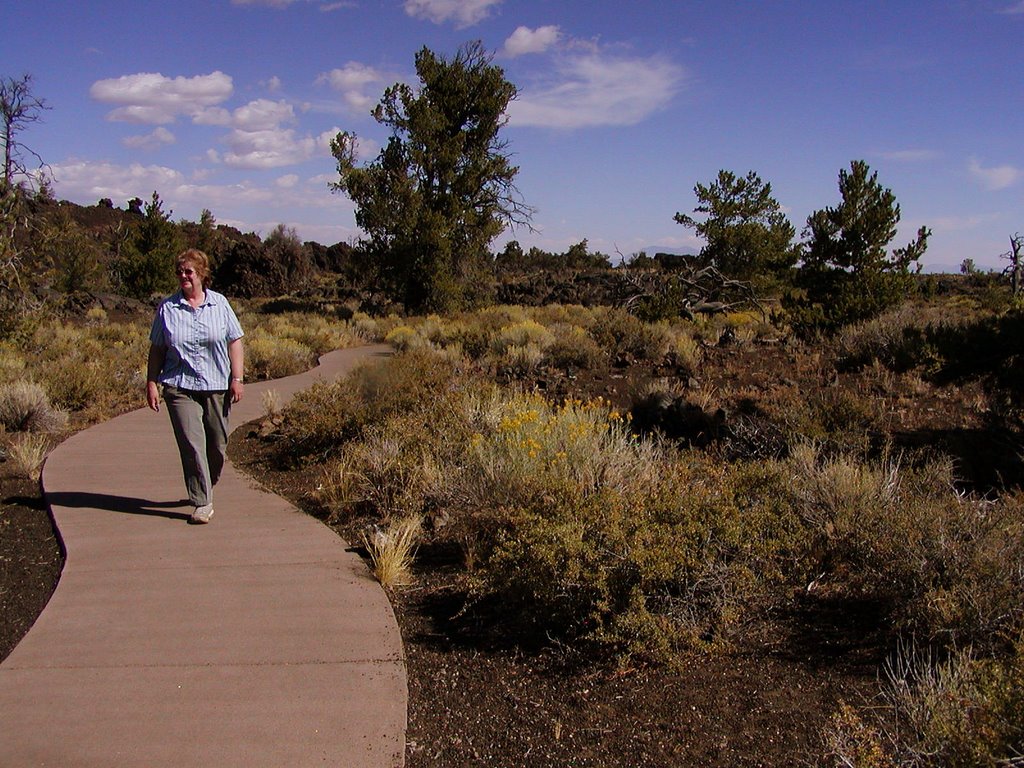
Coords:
pixel 113 503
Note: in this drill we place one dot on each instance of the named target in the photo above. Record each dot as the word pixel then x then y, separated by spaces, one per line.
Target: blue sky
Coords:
pixel 623 106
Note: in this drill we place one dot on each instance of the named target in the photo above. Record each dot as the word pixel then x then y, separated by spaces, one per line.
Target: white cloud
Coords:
pixel 86 180
pixel 994 179
pixel 212 116
pixel 525 40
pixel 151 98
pixel 465 13
pixel 262 115
pixel 1015 9
pixel 354 81
pixel 273 85
pixel 157 138
pixel 271 148
pixel 323 141
pixel 594 89
pixel 287 181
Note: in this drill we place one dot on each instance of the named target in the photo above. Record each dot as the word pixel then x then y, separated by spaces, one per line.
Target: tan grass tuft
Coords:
pixel 392 551
pixel 26 454
pixel 272 403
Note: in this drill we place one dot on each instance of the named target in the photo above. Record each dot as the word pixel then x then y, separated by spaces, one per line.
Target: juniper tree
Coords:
pixel 443 186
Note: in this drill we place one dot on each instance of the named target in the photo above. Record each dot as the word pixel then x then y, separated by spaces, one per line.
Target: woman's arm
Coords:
pixel 154 364
pixel 236 354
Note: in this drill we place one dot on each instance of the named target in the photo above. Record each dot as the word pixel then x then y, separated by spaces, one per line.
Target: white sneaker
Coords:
pixel 203 514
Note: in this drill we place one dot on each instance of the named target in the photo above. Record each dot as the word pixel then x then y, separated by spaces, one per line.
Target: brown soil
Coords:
pixel 30 557
pixel 480 698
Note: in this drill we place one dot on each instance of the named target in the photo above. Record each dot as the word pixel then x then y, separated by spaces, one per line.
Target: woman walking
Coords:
pixel 196 354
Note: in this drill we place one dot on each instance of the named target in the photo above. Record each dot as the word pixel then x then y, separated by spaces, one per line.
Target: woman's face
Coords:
pixel 189 279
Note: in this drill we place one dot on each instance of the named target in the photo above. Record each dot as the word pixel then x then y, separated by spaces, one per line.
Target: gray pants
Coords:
pixel 200 422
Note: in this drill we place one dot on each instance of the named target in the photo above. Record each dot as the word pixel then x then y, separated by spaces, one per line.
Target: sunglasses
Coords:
pixel 186 272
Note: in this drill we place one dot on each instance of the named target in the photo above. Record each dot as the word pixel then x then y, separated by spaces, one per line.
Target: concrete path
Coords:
pixel 256 640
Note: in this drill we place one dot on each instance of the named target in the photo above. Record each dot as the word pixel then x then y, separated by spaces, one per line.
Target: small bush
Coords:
pixel 405 338
pixel 518 361
pixel 527 333
pixel 12 363
pixel 572 347
pixel 25 407
pixel 320 420
pixel 271 402
pixel 950 568
pixel 269 357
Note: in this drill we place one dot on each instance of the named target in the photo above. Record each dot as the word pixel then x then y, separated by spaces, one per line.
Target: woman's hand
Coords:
pixel 153 395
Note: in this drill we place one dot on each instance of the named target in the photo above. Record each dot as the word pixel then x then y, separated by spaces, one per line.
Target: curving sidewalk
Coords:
pixel 257 640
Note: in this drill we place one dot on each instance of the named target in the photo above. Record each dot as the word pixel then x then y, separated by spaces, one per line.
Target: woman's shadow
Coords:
pixel 124 504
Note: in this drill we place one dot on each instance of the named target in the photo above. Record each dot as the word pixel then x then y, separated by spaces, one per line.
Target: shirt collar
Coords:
pixel 209 299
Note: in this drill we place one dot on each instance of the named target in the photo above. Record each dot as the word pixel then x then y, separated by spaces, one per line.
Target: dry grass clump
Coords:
pixel 365 327
pixel 950 566
pixel 517 341
pixel 392 551
pixel 518 361
pixel 405 337
pixel 26 453
pixel 899 338
pixel 96 316
pixel 93 371
pixel 287 343
pixel 272 403
pixel 395 470
pixel 521 334
pixel 316 332
pixel 25 407
pixel 12 363
pixel 322 419
pixel 623 334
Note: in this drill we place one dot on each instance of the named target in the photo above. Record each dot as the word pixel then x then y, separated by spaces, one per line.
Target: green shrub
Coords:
pixel 270 357
pixel 643 568
pixel 623 334
pixel 964 710
pixel 320 420
pixel 572 347
pixel 950 567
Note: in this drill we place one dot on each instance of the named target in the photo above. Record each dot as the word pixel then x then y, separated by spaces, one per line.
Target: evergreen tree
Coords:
pixel 745 230
pixel 145 265
pixel 847 273
pixel 442 188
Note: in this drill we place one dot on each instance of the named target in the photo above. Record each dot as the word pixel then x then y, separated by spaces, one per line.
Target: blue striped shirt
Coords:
pixel 196 341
